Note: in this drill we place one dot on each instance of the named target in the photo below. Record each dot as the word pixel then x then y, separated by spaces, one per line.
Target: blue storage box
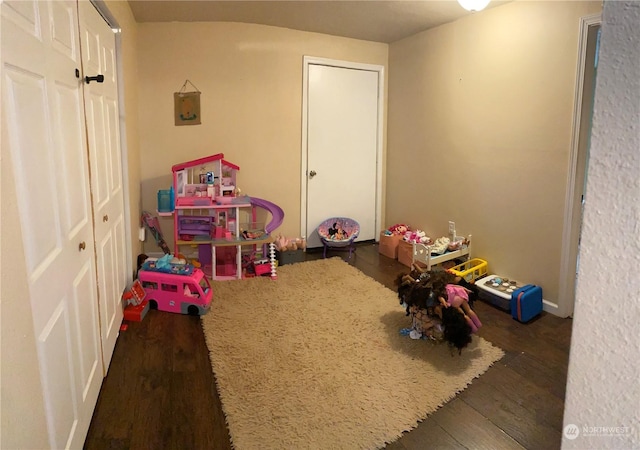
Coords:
pixel 526 303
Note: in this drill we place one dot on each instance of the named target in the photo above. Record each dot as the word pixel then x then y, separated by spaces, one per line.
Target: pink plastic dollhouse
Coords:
pixel 204 181
pixel 210 217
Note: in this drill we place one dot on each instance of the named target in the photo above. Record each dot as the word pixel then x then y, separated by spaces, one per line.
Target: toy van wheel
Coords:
pixel 193 310
pixel 153 304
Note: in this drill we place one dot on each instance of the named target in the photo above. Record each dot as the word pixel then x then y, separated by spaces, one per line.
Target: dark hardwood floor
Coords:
pixel 160 392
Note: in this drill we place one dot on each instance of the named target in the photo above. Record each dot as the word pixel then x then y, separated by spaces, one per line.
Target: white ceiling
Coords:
pixel 372 20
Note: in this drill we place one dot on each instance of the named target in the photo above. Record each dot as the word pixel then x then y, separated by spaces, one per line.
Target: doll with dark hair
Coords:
pixel 458 298
pixel 441 278
pixel 443 296
pixel 140 261
pixel 419 302
pixel 407 283
pixel 457 331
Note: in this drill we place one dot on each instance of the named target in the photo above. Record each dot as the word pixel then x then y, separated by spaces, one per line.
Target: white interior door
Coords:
pixel 342 147
pixel 101 107
pixel 43 126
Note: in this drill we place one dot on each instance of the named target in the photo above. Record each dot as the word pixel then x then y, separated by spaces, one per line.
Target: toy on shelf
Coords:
pixel 178 288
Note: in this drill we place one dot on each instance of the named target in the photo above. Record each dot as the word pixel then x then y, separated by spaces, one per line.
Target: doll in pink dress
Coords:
pixel 458 297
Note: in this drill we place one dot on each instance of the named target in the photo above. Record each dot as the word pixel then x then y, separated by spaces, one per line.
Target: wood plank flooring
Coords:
pixel 160 392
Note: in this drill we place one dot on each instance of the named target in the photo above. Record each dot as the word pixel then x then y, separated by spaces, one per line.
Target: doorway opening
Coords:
pixel 575 198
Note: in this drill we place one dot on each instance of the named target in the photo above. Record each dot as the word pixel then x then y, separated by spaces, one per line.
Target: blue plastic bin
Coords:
pixel 165 200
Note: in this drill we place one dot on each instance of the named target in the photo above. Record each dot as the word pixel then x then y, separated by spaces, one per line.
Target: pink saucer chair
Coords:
pixel 338 233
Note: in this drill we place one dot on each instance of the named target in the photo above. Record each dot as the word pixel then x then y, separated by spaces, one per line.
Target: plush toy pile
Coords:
pixel 408 235
pixel 417 237
pixel 399 229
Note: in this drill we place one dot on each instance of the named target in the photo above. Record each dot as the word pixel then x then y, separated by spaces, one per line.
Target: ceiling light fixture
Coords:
pixel 474 5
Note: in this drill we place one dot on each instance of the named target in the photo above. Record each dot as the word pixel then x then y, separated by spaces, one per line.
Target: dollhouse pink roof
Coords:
pixel 201 161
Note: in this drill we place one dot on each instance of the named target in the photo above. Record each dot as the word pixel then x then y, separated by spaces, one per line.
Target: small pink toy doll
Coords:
pixel 458 297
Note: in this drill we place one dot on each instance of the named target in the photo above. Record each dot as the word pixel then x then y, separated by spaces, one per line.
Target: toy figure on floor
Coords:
pixel 424 293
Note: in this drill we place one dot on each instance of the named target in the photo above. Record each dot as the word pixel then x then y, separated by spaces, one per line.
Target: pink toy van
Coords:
pixel 177 288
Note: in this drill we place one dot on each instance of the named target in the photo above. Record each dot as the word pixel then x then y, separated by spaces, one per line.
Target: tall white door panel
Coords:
pixel 43 127
pixel 101 106
pixel 342 145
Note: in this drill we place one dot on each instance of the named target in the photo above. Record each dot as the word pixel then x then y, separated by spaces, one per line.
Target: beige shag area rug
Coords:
pixel 315 360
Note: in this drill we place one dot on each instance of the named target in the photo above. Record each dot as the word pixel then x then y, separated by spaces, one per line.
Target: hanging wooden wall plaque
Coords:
pixel 186 106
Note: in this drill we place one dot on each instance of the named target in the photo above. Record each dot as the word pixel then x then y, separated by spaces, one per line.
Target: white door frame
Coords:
pixel 307 61
pixel 570 231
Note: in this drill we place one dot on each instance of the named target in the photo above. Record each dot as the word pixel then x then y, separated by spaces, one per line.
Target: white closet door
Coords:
pixel 101 105
pixel 43 126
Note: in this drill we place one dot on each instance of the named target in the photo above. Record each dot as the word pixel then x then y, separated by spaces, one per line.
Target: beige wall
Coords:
pixel 23 420
pixel 479 132
pixel 250 77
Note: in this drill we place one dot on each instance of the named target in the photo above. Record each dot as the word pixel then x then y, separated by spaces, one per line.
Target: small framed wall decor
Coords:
pixel 186 106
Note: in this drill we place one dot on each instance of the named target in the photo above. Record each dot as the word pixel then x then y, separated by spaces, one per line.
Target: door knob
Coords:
pixel 98 78
pixel 312 174
pixel 82 246
pixel 105 218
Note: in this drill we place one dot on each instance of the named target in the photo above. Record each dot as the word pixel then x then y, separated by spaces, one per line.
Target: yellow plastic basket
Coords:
pixel 470 270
